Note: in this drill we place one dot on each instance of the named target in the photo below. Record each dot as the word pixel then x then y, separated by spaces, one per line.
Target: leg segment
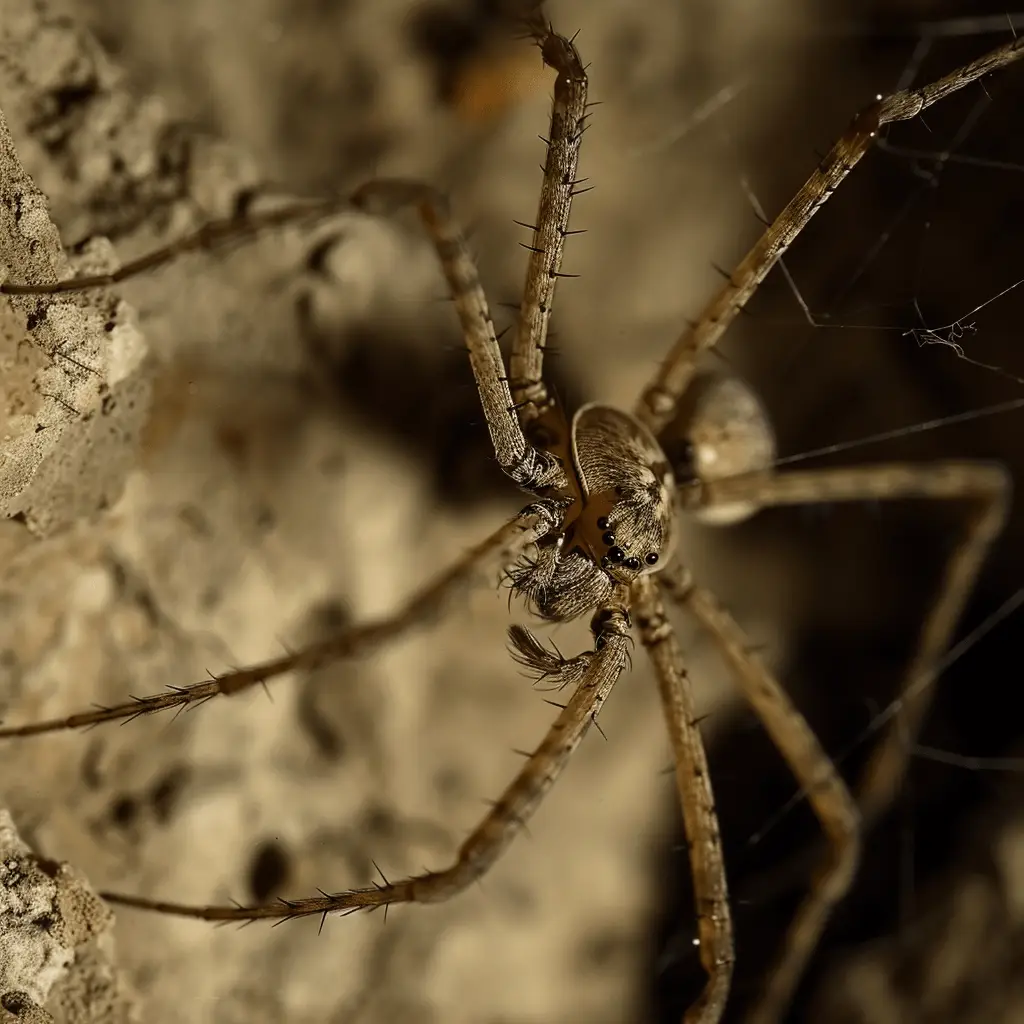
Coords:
pixel 210 236
pixel 831 800
pixel 494 834
pixel 504 546
pixel 984 486
pixel 551 228
pixel 532 469
pixel 707 866
pixel 657 404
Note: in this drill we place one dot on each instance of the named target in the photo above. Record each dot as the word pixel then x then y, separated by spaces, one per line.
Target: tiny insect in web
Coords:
pixel 599 539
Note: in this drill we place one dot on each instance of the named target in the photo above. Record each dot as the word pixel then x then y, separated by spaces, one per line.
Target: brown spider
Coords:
pixel 597 538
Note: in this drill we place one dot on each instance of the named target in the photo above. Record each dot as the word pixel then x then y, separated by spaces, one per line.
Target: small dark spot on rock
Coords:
pixel 124 811
pixel 329 742
pixel 379 820
pixel 166 790
pixel 268 870
pixel 265 517
pixel 17 1003
pixel 49 867
pixel 600 949
pixel 450 782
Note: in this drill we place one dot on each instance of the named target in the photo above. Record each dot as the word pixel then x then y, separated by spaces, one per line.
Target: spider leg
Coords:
pixel 505 545
pixel 533 469
pixel 985 487
pixel 693 781
pixel 205 238
pixel 529 392
pixel 494 833
pixel 826 791
pixel 657 404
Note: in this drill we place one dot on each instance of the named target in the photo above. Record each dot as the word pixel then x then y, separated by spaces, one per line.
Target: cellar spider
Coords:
pixel 597 538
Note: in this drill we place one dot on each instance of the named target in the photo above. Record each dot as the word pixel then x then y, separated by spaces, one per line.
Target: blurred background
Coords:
pixel 315 450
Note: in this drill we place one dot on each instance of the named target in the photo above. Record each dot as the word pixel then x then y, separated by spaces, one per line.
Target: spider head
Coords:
pixel 628 489
pixel 721 430
pixel 617 528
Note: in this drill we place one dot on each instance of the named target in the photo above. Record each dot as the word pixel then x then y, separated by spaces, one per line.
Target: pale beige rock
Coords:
pixel 75 390
pixel 57 959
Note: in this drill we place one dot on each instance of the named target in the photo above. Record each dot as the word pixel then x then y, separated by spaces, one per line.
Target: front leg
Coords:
pixel 596 672
pixel 534 470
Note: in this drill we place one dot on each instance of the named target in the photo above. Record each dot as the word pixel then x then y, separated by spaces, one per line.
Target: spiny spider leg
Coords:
pixel 693 781
pixel 508 815
pixel 533 469
pixel 504 546
pixel 550 230
pixel 657 404
pixel 984 486
pixel 826 791
pixel 210 236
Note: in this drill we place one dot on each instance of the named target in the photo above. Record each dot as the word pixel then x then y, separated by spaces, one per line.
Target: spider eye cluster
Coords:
pixel 627 490
pixel 616 555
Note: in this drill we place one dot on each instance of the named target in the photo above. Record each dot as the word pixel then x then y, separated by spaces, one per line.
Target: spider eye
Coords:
pixel 608 538
pixel 632 563
pixel 616 555
pixel 603 523
pixel 651 557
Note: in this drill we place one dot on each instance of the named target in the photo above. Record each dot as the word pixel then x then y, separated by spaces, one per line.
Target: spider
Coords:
pixel 598 539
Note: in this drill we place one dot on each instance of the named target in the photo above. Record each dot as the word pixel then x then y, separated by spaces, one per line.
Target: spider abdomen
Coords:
pixel 722 430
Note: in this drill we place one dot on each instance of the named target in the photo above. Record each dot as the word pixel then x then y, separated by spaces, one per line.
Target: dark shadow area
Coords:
pixel 935 244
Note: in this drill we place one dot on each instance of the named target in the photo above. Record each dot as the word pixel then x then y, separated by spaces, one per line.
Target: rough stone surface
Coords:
pixel 75 376
pixel 56 943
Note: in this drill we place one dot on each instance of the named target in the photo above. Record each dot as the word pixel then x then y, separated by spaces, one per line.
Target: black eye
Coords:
pixel 651 557
pixel 632 563
pixel 602 523
pixel 608 538
pixel 605 562
pixel 616 554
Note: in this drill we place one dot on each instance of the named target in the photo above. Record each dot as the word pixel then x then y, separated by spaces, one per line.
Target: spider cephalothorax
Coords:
pixel 616 522
pixel 619 508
